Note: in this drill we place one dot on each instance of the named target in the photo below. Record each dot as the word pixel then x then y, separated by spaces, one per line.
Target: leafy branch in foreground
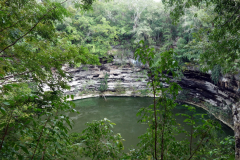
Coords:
pixel 159 141
pixel 32 124
pixel 97 141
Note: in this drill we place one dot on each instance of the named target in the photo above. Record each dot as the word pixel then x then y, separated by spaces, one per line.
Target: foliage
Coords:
pixel 37 41
pixel 158 115
pixel 206 130
pixel 119 88
pixel 31 123
pixel 159 141
pixel 95 33
pixel 183 95
pixel 99 141
pixel 85 87
pixel 114 27
pixel 219 41
pixel 224 114
pixel 216 74
pixel 144 92
pixel 103 83
pixel 134 90
pixel 201 36
pixel 223 150
pixel 32 52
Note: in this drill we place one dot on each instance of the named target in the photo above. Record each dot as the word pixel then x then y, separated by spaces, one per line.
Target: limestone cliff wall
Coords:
pixel 121 74
pixel 198 88
pixel 219 98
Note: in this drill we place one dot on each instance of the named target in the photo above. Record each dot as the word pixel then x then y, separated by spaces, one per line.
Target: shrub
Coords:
pixel 100 142
pixel 103 84
pixel 216 73
pixel 119 88
pixel 144 92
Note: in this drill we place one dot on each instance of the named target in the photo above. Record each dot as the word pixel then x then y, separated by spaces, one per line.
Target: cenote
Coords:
pixel 122 111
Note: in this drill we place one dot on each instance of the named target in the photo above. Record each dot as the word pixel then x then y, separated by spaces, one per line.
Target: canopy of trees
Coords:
pixel 40 38
pixel 31 57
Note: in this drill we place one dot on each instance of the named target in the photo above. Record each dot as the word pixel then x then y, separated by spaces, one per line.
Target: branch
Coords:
pixel 155 116
pixel 17 21
pixel 40 137
pixel 198 145
pixel 162 145
pixel 232 16
pixel 191 137
pixel 45 147
pixel 7 56
pixel 10 26
pixel 5 133
pixel 31 28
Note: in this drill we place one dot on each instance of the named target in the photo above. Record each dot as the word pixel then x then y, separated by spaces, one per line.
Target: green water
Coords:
pixel 122 111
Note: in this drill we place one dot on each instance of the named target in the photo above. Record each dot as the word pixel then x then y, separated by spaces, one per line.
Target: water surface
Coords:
pixel 122 111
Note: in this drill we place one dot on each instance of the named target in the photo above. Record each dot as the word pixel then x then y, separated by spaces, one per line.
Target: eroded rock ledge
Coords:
pixel 128 80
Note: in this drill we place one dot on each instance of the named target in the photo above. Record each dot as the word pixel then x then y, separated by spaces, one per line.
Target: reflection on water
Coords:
pixel 122 111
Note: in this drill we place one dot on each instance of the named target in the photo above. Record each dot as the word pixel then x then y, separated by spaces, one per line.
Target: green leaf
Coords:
pixel 6 103
pixel 3 124
pixel 16 147
pixel 68 122
pixel 74 110
pixel 3 111
pixel 24 148
pixel 20 157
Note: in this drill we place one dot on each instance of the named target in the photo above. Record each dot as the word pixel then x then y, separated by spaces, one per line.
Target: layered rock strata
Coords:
pixel 125 79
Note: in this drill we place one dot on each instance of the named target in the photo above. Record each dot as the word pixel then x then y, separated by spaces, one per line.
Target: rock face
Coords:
pixel 198 88
pixel 221 99
pixel 125 76
pixel 217 98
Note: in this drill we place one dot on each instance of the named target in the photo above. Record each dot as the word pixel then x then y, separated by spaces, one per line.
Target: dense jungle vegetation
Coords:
pixel 38 37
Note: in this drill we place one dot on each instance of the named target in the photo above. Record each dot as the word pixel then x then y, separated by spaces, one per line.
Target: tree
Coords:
pixel 100 142
pixel 31 54
pixel 93 32
pixel 220 42
pixel 222 35
pixel 103 84
pixel 159 141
